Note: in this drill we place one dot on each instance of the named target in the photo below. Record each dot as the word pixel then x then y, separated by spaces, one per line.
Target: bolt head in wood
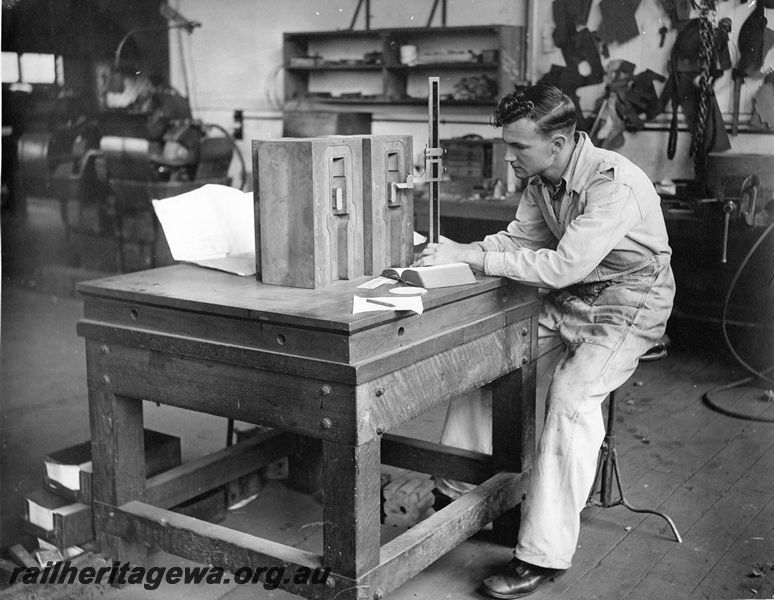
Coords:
pixel 326 423
pixel 104 349
pixel 106 379
pixel 325 390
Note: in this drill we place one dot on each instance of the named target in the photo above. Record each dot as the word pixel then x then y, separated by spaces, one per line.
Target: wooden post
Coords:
pixel 118 459
pixel 351 476
pixel 513 436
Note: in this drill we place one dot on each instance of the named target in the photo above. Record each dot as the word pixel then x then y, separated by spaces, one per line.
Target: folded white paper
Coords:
pixel 212 226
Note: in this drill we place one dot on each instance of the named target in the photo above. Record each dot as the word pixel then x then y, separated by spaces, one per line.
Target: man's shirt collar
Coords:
pixel 577 169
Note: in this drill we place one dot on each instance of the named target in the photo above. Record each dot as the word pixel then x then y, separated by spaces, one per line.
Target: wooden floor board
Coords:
pixel 692 566
pixel 471 563
pixel 631 560
pixel 755 544
pixel 732 580
pixel 733 461
pixel 760 475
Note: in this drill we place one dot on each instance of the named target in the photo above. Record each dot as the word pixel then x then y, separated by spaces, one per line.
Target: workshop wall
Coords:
pixel 648 148
pixel 234 62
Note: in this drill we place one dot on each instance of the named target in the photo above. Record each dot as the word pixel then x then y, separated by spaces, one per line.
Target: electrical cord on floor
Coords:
pixel 708 396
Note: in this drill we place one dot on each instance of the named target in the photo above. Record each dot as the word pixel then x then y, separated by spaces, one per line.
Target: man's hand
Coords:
pixel 447 251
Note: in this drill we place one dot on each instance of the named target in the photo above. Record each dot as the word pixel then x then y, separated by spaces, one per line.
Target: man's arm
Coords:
pixel 447 251
pixel 611 212
pixel 527 230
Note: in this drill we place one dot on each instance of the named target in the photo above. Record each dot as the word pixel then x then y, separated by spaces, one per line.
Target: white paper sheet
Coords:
pixel 413 303
pixel 212 226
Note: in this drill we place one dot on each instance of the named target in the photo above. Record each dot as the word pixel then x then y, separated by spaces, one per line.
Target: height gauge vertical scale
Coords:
pixel 433 158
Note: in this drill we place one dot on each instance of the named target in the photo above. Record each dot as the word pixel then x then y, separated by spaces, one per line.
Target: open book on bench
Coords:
pixel 433 277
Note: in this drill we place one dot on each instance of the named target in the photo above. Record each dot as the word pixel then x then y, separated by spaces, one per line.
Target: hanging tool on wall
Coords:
pixel 618 22
pixel 630 101
pixel 433 158
pixel 763 104
pixel 700 50
pixel 678 10
pixel 751 52
pixel 583 65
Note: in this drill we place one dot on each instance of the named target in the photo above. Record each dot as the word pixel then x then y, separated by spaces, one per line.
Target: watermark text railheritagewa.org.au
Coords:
pixel 152 577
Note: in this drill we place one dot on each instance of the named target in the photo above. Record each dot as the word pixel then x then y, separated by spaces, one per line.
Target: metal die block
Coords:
pixel 310 210
pixel 388 202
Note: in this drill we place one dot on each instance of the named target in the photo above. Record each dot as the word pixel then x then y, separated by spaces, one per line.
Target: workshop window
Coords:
pixel 32 68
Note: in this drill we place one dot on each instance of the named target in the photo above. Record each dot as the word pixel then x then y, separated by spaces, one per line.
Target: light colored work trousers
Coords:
pixel 605 328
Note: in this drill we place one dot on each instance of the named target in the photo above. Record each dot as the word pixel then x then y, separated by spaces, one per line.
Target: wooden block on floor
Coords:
pixel 58 520
pixel 408 500
pixel 64 523
pixel 20 555
pixel 67 472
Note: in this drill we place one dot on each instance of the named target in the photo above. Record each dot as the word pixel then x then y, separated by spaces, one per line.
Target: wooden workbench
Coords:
pixel 300 362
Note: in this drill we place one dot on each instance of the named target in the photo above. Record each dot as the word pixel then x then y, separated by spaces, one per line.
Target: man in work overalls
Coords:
pixel 589 230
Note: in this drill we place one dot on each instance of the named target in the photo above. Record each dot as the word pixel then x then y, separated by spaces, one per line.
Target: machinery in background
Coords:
pixel 722 256
pixel 105 183
pixel 122 139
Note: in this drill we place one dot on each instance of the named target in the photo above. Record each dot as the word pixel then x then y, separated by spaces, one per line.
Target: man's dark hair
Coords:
pixel 550 108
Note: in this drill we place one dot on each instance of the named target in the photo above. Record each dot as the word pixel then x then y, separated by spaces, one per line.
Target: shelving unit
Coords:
pixel 364 66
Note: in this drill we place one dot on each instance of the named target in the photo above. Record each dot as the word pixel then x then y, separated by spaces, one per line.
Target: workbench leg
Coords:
pixel 118 463
pixel 351 480
pixel 513 437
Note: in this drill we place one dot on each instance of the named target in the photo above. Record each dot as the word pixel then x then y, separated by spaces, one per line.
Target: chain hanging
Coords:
pixel 706 81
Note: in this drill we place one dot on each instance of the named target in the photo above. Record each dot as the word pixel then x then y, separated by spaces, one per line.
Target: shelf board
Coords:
pixel 444 66
pixel 336 67
pixel 440 66
pixel 335 33
pixel 393 101
pixel 397 31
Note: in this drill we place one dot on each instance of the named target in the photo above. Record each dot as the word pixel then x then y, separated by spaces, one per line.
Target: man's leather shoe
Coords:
pixel 519 579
